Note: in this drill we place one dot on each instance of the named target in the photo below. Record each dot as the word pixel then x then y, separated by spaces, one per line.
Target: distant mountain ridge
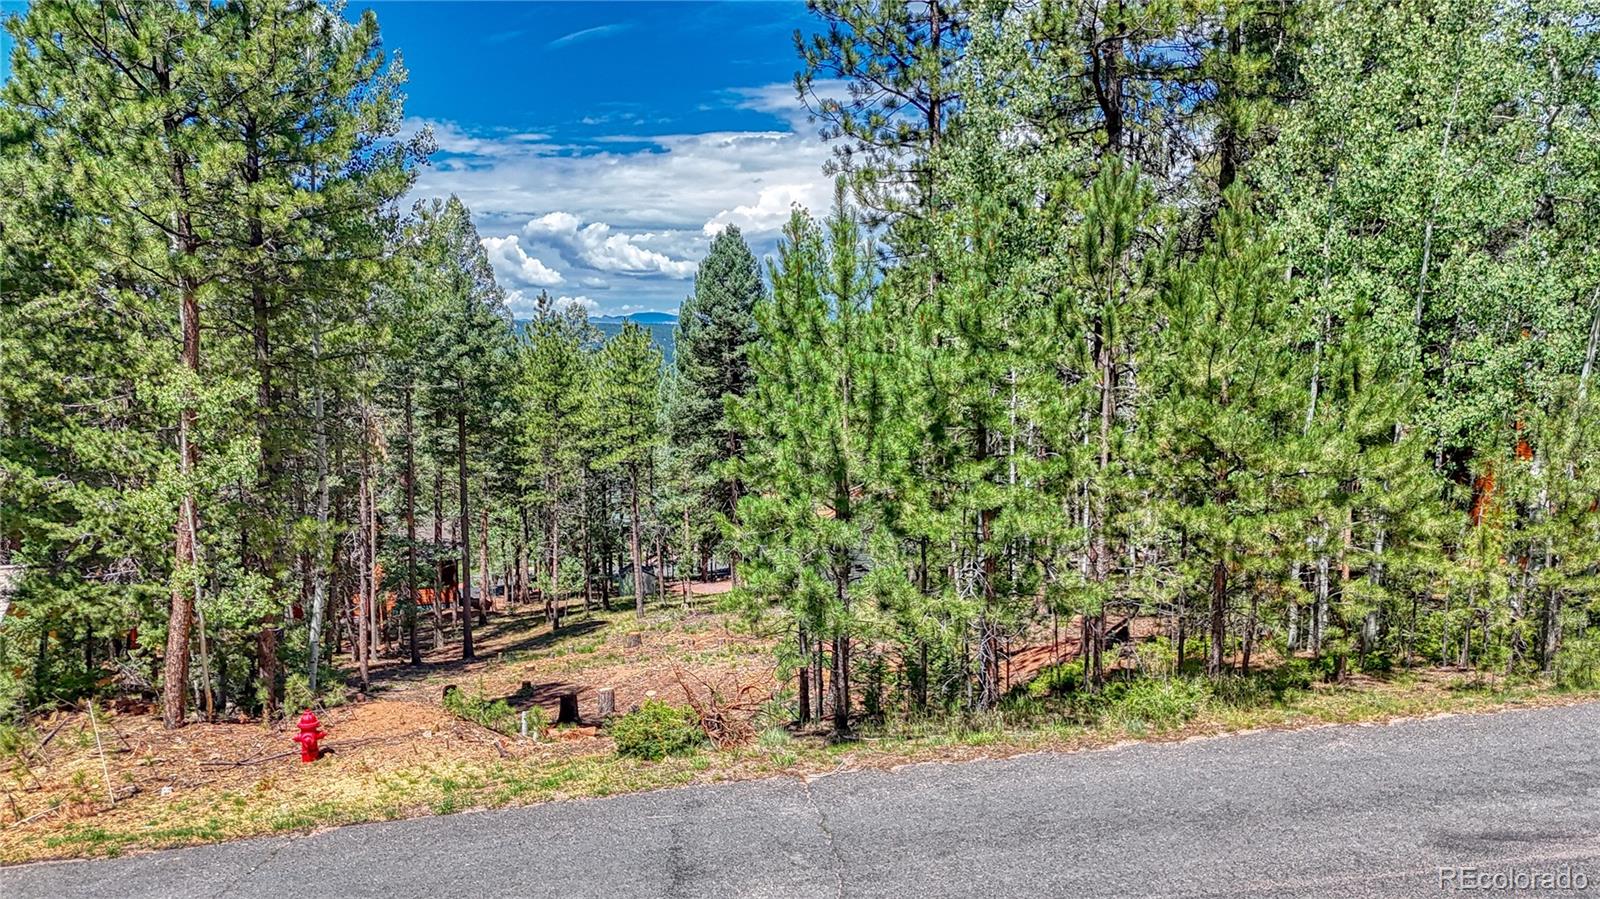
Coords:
pixel 643 318
pixel 661 325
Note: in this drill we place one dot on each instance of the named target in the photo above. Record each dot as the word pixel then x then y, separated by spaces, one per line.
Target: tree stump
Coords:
pixel 607 700
pixel 568 713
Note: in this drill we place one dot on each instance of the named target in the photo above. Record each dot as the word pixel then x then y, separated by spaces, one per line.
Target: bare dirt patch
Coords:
pixel 139 773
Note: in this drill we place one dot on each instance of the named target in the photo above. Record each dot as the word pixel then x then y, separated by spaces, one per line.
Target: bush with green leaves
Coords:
pixel 1577 666
pixel 496 714
pixel 1063 677
pixel 1263 688
pixel 656 730
pixel 1151 704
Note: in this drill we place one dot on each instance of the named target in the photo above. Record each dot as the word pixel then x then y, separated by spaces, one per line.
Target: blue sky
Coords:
pixel 600 145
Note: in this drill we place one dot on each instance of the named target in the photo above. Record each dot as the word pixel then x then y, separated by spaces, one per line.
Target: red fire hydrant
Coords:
pixel 309 736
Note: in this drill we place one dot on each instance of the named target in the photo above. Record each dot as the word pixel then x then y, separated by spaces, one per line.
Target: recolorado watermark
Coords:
pixel 1474 879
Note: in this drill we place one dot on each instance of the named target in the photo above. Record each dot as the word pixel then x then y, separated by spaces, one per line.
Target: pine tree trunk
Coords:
pixel 411 532
pixel 438 541
pixel 374 611
pixel 1550 643
pixel 185 550
pixel 364 560
pixel 588 558
pixel 805 680
pixel 1219 619
pixel 483 565
pixel 1319 619
pixel 552 603
pixel 267 482
pixel 633 539
pixel 1249 635
pixel 1183 636
pixel 816 677
pixel 841 684
pixel 1293 612
pixel 683 570
pixel 1099 550
pixel 466 542
pixel 320 573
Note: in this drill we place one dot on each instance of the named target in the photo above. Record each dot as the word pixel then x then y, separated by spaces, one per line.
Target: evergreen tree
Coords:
pixel 897 63
pixel 814 522
pixel 715 327
pixel 117 101
pixel 1225 411
pixel 555 380
pixel 625 414
pixel 468 351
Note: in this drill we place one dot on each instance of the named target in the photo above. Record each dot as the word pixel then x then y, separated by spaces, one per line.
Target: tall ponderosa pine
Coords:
pixel 469 354
pixel 715 327
pixel 624 411
pixel 556 375
pixel 816 420
pixel 118 108
pixel 1224 418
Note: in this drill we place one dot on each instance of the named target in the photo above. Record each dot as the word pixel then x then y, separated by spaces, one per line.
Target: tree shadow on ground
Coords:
pixel 397 674
pixel 546 695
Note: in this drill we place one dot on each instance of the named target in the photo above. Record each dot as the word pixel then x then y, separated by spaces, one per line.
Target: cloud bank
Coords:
pixel 626 217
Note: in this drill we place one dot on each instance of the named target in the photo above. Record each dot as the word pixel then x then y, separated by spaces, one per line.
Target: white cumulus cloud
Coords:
pixel 580 301
pixel 512 263
pixel 768 213
pixel 597 246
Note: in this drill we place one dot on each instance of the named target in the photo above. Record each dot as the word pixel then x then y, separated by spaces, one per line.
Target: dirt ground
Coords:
pixel 97 770
pixel 80 765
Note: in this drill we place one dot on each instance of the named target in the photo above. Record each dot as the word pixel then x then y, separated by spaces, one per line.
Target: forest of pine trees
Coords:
pixel 1274 323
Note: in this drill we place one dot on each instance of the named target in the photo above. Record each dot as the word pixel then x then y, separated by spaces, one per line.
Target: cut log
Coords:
pixel 568 713
pixel 607 701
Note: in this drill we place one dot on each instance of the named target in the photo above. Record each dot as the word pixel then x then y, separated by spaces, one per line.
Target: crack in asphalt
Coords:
pixel 833 847
pixel 236 881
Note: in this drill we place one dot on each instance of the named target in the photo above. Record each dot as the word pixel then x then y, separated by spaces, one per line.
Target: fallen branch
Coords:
pixel 36 816
pixel 50 736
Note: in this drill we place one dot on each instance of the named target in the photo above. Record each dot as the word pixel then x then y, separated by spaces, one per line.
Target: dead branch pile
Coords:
pixel 725 715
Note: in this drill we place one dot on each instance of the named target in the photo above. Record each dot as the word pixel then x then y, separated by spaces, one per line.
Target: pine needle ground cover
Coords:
pixel 403 753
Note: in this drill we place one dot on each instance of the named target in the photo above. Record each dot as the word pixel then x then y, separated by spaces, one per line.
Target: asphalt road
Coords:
pixel 1331 811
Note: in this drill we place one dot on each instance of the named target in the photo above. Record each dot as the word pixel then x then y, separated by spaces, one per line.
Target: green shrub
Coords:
pixel 1157 657
pixel 1577 665
pixel 496 715
pixel 1294 674
pixel 1157 704
pixel 1057 679
pixel 1243 692
pixel 656 730
pixel 1263 688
